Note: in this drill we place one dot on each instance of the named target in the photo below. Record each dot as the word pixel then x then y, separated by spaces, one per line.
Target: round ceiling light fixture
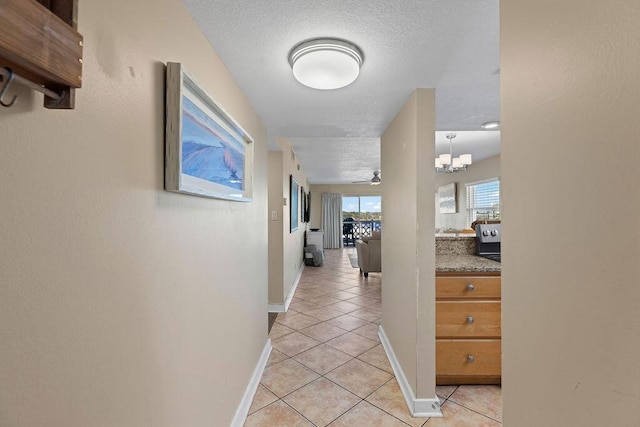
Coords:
pixel 326 63
pixel 490 125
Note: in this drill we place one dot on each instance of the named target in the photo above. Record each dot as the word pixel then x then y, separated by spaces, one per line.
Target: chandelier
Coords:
pixel 447 163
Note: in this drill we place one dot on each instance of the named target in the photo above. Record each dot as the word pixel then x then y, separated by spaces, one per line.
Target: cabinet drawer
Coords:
pixel 458 358
pixel 468 287
pixel 468 319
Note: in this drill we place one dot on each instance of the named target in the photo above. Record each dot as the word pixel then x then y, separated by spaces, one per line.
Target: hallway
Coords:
pixel 328 367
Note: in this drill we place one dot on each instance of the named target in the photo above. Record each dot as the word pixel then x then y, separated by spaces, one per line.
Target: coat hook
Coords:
pixel 4 90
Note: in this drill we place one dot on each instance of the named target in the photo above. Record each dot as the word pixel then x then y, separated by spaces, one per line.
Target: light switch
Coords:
pixel 274 215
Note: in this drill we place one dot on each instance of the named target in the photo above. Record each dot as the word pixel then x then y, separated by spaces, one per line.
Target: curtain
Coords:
pixel 332 220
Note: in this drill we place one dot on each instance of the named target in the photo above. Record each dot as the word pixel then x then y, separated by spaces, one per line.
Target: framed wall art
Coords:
pixel 307 211
pixel 303 203
pixel 207 153
pixel 293 195
pixel 447 198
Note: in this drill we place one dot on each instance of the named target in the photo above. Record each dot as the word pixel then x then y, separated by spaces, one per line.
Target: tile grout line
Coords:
pixel 382 409
pixel 304 385
pixel 365 400
pixel 333 382
pixel 296 411
pixel 333 420
pixel 323 375
pixel 474 410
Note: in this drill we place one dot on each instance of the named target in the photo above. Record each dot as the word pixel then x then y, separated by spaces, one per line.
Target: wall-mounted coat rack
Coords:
pixel 40 48
pixel 7 76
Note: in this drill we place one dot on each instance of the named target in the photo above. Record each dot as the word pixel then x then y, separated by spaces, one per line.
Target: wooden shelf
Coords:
pixel 39 41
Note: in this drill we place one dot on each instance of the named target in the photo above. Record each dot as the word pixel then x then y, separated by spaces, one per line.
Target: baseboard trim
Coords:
pixel 418 408
pixel 276 308
pixel 282 308
pixel 247 399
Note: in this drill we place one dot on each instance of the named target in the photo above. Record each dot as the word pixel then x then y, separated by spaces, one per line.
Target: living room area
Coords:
pixel 361 229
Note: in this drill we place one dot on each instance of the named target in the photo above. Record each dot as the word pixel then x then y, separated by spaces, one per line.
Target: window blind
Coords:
pixel 483 200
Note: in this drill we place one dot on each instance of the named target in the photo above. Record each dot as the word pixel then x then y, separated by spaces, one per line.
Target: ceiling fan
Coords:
pixel 373 181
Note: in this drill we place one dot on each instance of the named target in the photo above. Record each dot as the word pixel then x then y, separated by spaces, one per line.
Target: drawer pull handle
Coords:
pixel 471 359
pixel 470 287
pixel 470 319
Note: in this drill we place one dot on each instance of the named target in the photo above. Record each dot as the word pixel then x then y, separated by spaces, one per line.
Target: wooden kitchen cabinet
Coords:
pixel 468 319
pixel 457 287
pixel 468 329
pixel 453 364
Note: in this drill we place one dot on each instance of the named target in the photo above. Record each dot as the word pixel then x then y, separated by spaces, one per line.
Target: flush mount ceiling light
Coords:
pixel 326 63
pixel 446 162
pixel 490 125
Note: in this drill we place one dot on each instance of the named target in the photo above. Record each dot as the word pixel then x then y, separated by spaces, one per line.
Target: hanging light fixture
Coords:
pixel 326 63
pixel 447 163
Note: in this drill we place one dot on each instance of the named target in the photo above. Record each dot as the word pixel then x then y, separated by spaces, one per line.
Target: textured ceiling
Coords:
pixel 452 46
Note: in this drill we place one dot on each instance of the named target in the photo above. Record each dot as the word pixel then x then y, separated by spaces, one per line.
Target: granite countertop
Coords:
pixel 455 253
pixel 456 235
pixel 455 245
pixel 465 263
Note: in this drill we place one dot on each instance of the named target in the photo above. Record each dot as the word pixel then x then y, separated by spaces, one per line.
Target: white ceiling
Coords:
pixel 451 45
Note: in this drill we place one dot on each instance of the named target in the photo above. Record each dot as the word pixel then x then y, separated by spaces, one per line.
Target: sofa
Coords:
pixel 369 254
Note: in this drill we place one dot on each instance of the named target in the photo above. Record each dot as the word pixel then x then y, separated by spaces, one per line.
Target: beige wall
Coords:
pixel 571 329
pixel 276 234
pixel 122 304
pixel 287 260
pixel 408 243
pixel 485 169
pixel 344 189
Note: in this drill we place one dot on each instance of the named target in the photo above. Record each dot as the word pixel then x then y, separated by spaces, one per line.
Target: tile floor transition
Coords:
pixel 327 366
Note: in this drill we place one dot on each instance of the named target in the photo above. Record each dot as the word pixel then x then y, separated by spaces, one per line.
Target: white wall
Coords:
pixel 479 171
pixel 122 304
pixel 571 329
pixel 408 242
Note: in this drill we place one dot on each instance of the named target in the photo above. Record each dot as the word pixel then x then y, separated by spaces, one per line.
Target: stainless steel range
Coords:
pixel 488 237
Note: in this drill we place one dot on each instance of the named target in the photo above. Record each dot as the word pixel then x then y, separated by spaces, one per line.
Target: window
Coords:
pixel 361 216
pixel 483 200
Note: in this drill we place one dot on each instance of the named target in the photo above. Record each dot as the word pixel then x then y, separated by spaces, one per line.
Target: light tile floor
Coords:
pixel 327 366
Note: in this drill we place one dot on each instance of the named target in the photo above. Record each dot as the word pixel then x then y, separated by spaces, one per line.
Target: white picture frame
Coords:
pixel 294 197
pixel 207 153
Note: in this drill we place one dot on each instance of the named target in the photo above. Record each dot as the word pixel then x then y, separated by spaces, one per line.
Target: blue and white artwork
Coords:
pixel 207 153
pixel 209 150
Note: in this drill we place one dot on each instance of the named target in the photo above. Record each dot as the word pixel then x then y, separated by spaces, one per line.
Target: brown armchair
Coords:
pixel 369 254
